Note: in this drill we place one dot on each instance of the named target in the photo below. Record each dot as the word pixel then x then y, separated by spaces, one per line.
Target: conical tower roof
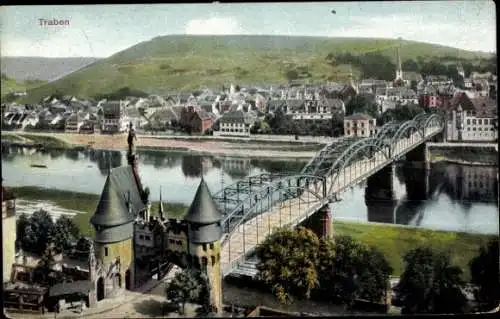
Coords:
pixel 203 209
pixel 120 199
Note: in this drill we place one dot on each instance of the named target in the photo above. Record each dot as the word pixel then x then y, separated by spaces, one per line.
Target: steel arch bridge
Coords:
pixel 257 206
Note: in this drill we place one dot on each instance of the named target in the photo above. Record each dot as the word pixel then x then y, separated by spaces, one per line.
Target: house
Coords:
pixel 361 125
pixel 30 119
pixel 409 77
pixel 73 124
pixel 438 80
pixel 322 109
pixel 236 123
pixel 347 93
pixel 196 120
pixel 113 118
pixel 473 120
pixel 87 126
pixel 164 118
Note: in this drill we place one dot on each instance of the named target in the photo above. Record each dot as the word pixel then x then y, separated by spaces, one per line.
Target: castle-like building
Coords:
pixel 125 234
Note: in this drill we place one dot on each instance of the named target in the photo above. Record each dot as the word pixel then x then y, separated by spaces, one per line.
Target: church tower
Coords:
pixel 399 69
pixel 204 233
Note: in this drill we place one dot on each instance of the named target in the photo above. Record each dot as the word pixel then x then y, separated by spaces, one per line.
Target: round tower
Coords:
pixel 113 221
pixel 204 233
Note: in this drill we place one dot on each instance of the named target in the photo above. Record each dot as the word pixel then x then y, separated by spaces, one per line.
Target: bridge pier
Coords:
pixel 420 156
pixel 379 196
pixel 320 223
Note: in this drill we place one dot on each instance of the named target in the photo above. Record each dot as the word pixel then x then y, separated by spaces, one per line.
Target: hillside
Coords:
pixel 188 62
pixel 9 85
pixel 40 68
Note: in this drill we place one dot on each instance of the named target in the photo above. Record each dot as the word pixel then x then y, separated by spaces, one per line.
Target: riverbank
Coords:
pixel 199 146
pixel 392 240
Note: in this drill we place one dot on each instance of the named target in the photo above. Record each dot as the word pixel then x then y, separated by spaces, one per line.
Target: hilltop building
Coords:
pixel 129 242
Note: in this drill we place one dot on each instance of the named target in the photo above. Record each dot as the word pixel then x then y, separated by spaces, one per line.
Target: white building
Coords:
pixel 322 109
pixel 359 125
pixel 473 124
pixel 235 123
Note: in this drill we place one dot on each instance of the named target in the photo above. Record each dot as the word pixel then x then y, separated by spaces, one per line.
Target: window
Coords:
pixel 141 237
pixel 363 132
pixel 474 129
pixel 178 242
pixel 204 247
pixel 212 246
pixel 468 129
pixel 106 251
pixel 474 122
pixel 480 122
pixel 213 260
pixel 468 121
pixel 348 132
pixel 148 237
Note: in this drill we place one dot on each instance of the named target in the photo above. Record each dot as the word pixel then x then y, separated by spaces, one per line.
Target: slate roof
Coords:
pixel 203 209
pixel 235 117
pixel 70 288
pixel 358 117
pixel 120 188
pixel 111 109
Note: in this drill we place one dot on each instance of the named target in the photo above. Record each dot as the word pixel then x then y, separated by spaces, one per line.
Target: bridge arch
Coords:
pixel 289 186
pixel 321 159
pixel 366 147
pixel 406 127
pixel 433 119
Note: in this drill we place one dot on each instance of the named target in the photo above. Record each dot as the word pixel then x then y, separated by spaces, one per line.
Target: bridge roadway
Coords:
pixel 248 235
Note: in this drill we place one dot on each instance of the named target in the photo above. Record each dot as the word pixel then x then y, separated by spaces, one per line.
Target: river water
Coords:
pixel 457 197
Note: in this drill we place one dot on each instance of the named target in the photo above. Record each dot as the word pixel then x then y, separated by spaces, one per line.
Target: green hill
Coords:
pixel 188 62
pixel 9 85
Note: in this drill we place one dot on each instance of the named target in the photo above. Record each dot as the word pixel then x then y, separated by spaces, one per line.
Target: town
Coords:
pixel 328 109
pixel 372 189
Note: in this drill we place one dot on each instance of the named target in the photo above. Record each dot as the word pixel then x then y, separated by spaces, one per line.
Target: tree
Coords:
pixel 373 274
pixel 430 284
pixel 361 104
pixel 291 75
pixel 44 273
pixel 66 233
pixel 40 232
pixel 484 273
pixel 184 287
pixel 410 65
pixel 22 224
pixel 288 270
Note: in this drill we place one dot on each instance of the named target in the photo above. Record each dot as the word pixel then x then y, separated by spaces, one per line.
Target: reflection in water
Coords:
pixel 471 189
pixel 105 159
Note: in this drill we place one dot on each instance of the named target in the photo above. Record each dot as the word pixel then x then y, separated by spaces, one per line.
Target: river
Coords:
pixel 457 197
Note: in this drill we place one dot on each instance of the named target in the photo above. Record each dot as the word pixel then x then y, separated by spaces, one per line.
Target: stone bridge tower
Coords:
pixel 113 221
pixel 204 233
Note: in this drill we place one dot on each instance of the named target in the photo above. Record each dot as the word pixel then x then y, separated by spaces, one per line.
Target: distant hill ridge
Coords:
pixel 183 62
pixel 42 68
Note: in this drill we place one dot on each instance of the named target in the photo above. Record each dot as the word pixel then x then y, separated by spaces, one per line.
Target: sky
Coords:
pixel 102 30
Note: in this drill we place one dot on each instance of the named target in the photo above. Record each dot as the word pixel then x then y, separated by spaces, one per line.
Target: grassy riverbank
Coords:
pixel 34 139
pixel 471 155
pixel 393 241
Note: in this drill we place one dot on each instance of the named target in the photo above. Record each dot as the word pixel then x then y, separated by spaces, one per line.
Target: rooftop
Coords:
pixel 203 209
